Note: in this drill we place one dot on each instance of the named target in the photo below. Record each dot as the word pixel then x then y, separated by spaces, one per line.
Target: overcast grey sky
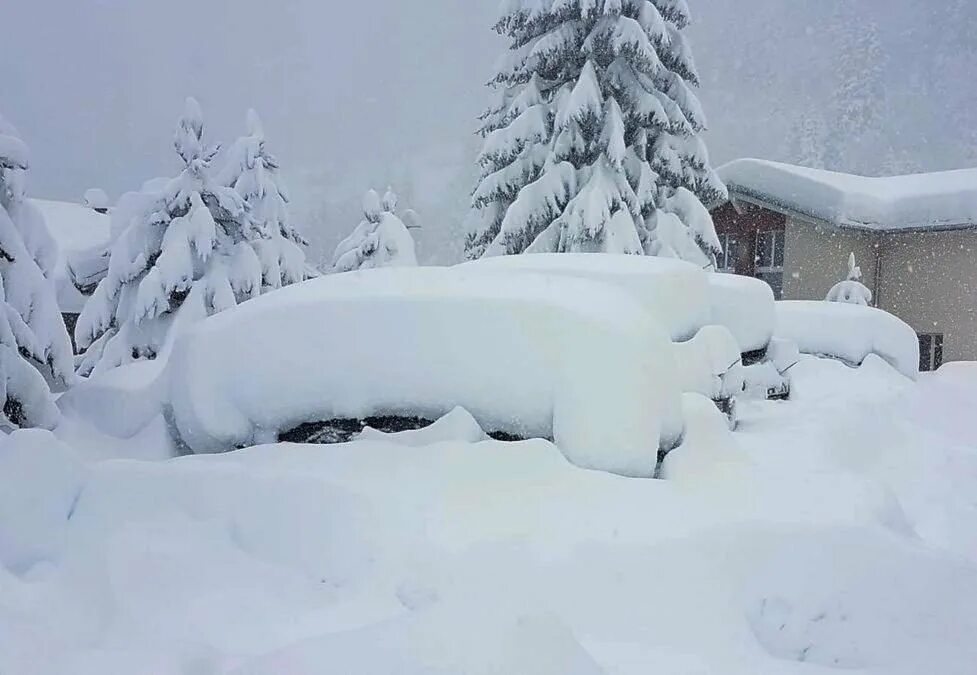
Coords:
pixel 348 89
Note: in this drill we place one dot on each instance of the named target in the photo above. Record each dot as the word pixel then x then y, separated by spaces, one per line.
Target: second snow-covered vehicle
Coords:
pixel 715 321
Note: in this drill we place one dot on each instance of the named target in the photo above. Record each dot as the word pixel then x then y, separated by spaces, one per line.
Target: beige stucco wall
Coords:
pixel 816 258
pixel 930 282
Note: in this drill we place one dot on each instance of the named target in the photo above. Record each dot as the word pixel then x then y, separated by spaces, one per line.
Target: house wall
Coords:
pixel 816 258
pixel 929 280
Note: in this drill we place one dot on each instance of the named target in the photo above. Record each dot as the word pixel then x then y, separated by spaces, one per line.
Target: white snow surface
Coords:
pixel 745 306
pixel 849 332
pixel 941 200
pixel 531 355
pixel 835 532
pixel 77 230
pixel 673 291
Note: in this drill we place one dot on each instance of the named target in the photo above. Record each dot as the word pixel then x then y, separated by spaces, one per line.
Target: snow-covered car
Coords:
pixel 732 316
pixel 746 307
pixel 528 355
pixel 848 333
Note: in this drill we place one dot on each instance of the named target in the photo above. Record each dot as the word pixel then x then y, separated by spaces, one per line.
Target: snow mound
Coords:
pixel 457 425
pixel 745 306
pixel 941 200
pixel 526 354
pixel 710 363
pixel 119 402
pixel 674 291
pixel 707 453
pixel 36 506
pixel 849 332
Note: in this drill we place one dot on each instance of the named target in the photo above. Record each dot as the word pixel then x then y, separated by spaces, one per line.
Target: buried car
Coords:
pixel 527 355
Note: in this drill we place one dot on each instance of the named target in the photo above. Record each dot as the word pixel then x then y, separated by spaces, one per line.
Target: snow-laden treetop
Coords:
pixel 593 141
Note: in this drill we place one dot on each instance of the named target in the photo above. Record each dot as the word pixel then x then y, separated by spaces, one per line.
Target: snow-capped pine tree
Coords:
pixel 594 141
pixel 253 172
pixel 35 352
pixel 851 290
pixel 184 252
pixel 380 240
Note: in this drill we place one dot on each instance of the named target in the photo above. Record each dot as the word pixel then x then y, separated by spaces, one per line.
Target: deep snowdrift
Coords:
pixel 525 354
pixel 831 532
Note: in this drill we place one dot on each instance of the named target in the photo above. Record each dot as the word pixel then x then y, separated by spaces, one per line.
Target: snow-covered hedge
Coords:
pixel 745 306
pixel 674 291
pixel 849 332
pixel 575 361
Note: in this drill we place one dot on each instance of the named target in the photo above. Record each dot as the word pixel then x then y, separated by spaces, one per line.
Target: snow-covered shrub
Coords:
pixel 35 352
pixel 851 290
pixel 594 142
pixel 576 361
pixel 253 173
pixel 382 239
pixel 188 247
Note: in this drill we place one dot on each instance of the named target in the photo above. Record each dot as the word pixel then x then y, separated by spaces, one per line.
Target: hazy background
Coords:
pixel 361 94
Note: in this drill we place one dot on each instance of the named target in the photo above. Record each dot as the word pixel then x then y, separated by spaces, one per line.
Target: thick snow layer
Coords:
pixel 941 200
pixel 710 363
pixel 674 291
pixel 458 425
pixel 745 306
pixel 530 355
pixel 832 531
pixel 849 332
pixel 79 232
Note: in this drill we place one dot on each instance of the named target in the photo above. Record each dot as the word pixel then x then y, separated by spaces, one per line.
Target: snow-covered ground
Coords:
pixel 834 531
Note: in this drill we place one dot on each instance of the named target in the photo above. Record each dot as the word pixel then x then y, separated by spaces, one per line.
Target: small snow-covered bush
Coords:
pixel 851 290
pixel 673 291
pixel 35 352
pixel 575 361
pixel 848 332
pixel 382 239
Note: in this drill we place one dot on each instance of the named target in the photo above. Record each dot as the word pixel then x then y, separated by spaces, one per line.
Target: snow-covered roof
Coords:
pixel 81 234
pixel 74 227
pixel 945 200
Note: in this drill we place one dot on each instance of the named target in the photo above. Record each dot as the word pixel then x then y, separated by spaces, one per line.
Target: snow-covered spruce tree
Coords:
pixel 593 142
pixel 184 252
pixel 382 239
pixel 851 290
pixel 253 172
pixel 35 353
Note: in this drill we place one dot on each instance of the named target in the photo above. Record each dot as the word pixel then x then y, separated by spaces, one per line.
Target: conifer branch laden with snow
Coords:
pixel 189 247
pixel 593 142
pixel 35 352
pixel 382 239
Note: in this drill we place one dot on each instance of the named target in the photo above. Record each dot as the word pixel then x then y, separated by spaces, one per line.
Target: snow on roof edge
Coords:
pixel 932 202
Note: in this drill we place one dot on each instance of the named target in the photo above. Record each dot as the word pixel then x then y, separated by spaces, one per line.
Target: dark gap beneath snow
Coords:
pixel 344 430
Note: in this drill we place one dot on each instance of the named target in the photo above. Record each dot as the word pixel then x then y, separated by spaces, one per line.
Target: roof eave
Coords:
pixel 741 194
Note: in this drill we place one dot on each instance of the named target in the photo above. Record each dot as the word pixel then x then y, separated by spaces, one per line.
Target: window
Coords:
pixel 726 261
pixel 930 351
pixel 770 259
